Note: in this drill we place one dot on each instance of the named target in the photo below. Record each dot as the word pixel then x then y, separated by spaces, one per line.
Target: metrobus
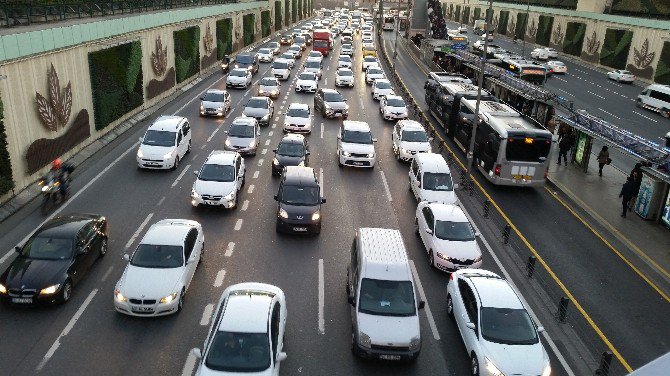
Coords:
pixel 525 70
pixel 457 38
pixel 389 23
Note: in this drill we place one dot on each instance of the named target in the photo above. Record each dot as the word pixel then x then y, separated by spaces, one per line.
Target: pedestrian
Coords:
pixel 603 159
pixel 563 147
pixel 637 183
pixel 626 194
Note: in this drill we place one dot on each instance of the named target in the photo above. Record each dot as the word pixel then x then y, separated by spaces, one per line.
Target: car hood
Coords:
pixel 445 197
pixel 297 120
pixel 466 250
pixel 313 70
pixel 286 160
pixel 300 210
pixel 415 146
pixel 280 70
pixel 345 78
pixel 243 142
pixel 34 274
pixel 214 188
pixel 374 76
pixel 383 91
pixel 397 110
pixel 358 148
pixel 255 112
pixel 150 283
pixel 268 88
pixel 236 78
pixel 337 105
pixel 209 104
pixel 204 371
pixel 517 359
pixel 306 83
pixel 378 328
pixel 155 152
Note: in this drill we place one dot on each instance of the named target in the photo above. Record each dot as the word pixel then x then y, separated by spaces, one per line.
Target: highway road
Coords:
pixel 87 336
pixel 623 297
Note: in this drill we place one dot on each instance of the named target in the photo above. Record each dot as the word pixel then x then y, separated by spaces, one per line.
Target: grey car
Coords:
pixel 260 108
pixel 330 103
pixel 243 136
pixel 215 103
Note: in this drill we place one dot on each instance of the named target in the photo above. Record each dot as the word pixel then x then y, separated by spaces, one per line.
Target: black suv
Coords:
pixel 330 103
pixel 299 201
pixel 247 61
pixel 291 151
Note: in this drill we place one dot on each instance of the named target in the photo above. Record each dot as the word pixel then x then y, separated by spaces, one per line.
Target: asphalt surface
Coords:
pixel 87 336
pixel 629 311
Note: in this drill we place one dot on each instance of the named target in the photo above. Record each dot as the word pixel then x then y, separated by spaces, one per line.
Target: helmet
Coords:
pixel 56 164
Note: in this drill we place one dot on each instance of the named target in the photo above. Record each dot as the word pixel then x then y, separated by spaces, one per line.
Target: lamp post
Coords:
pixel 480 83
pixel 525 27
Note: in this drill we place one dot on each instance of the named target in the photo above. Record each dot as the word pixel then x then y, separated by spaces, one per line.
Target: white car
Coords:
pixel 448 237
pixel 219 180
pixel 367 41
pixel 540 53
pixel 307 82
pixel 265 55
pixel 239 77
pixel 355 145
pixel 344 61
pixel 288 58
pixel 346 49
pixel 381 87
pixel 393 107
pixel 499 334
pixel 246 336
pixel 409 138
pixel 551 52
pixel 215 102
pixel 298 118
pixel 295 50
pixel 369 61
pixel 281 69
pixel 313 67
pixel 486 36
pixel 373 73
pixel 315 56
pixel 243 135
pixel 344 77
pixel 462 29
pixel 620 75
pixel 557 66
pixel 367 46
pixel 161 269
pixel 165 143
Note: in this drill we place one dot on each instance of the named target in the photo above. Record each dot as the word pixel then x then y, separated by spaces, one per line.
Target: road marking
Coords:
pixel 274 125
pixel 322 322
pixel 238 224
pixel 203 146
pixel 321 130
pixel 271 133
pixel 161 200
pixel 386 187
pixel 107 273
pixel 567 92
pixel 251 189
pixel 245 205
pixel 264 151
pixel 68 327
pixel 599 96
pixel 280 108
pixel 610 114
pixel 321 182
pixel 646 117
pixel 190 364
pixel 255 176
pixel 260 162
pixel 267 142
pixel 183 172
pixel 139 229
pixel 212 135
pixel 206 314
pixel 326 81
pixel 429 314
pixel 229 249
pixel 218 281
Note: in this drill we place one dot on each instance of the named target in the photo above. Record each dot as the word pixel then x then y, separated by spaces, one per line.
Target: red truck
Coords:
pixel 321 41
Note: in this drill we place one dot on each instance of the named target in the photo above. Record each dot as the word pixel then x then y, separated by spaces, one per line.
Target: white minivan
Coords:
pixel 165 143
pixel 355 145
pixel 656 98
pixel 430 179
pixel 383 299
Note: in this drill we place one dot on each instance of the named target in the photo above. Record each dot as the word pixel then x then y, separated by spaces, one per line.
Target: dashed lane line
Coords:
pixel 597 95
pixel 245 205
pixel 264 151
pixel 422 294
pixel 206 314
pixel 609 113
pixel 139 229
pixel 255 176
pixel 238 224
pixel 386 187
pixel 322 321
pixel 229 249
pixel 260 162
pixel 181 175
pixel 189 365
pixel 644 116
pixel 218 281
pixel 107 273
pixel 160 202
pixel 251 189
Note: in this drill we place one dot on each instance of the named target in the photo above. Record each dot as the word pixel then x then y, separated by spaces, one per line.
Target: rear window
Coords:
pixel 522 149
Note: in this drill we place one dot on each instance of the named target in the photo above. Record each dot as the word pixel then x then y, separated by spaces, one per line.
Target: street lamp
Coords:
pixel 523 37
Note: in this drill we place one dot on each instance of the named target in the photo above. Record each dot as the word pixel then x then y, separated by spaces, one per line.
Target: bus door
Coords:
pixel 463 127
pixel 487 148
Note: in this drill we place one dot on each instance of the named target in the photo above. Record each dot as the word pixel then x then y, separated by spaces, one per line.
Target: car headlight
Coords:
pixel 301 164
pixel 274 92
pixel 371 155
pixel 316 216
pixel 139 153
pixel 415 343
pixel 46 188
pixel 194 193
pixel 227 143
pixel 283 213
pixel 118 296
pixel 220 108
pixel 547 370
pixel 49 290
pixel 364 340
pixel 443 257
pixel 346 154
pixel 478 259
pixel 202 108
pixel 404 151
pixel 3 289
pixel 491 368
pixel 261 91
pixel 266 117
pixel 275 161
pixel 169 298
pixel 237 65
pixel 167 155
pixel 229 196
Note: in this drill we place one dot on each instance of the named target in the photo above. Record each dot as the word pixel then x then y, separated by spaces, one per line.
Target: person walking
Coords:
pixel 563 147
pixel 603 159
pixel 626 194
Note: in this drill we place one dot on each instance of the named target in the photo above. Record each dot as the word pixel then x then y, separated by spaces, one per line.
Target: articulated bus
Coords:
pixel 389 23
pixel 525 70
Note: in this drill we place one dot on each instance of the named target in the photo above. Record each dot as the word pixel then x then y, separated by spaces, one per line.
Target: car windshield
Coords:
pixel 268 82
pixel 238 73
pixel 315 54
pixel 346 46
pixel 286 36
pixel 345 58
pixel 298 112
pixel 313 64
pixel 374 71
pixel 395 102
pixel 370 60
pixel 244 59
pixel 47 248
pixel 272 45
pixel 257 103
pixel 386 298
pixel 291 149
pixel 265 51
pixel 158 256
pixel 307 76
pixel 528 149
pixel 382 85
pixel 454 231
pixel 279 65
pixel 300 195
pixel 239 352
pixel 217 172
pixel 159 138
pixel 299 39
pixel 507 326
pixel 213 97
pixel 320 43
pixel 333 97
pixel 356 137
pixel 345 73
pixel 243 131
pixel 437 181
pixel 414 136
pixel 286 56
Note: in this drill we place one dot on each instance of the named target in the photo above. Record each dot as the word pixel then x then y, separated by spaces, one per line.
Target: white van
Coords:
pixel 380 289
pixel 656 98
pixel 430 179
pixel 165 143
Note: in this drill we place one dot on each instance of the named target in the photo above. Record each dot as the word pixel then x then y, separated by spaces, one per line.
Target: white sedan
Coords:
pixel 315 56
pixel 160 270
pixel 344 61
pixel 393 107
pixel 373 73
pixel 557 66
pixel 448 237
pixel 265 55
pixel 344 77
pixel 381 88
pixel 307 82
pixel 620 75
pixel 499 334
pixel 219 180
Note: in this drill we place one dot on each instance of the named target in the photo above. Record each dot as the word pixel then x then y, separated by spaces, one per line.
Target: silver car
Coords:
pixel 243 136
pixel 260 108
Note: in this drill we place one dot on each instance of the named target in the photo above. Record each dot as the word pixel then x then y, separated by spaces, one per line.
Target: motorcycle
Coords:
pixel 54 191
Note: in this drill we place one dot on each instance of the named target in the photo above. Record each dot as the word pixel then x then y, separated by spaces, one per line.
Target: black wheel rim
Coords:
pixel 67 291
pixel 103 246
pixel 475 366
pixel 450 305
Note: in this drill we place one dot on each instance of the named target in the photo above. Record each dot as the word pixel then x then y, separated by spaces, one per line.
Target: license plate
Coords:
pixel 357 163
pixel 211 202
pixel 151 164
pixel 389 357
pixel 141 309
pixel 300 229
pixel 22 300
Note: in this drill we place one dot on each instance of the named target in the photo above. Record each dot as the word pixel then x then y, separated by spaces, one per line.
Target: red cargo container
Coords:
pixel 321 41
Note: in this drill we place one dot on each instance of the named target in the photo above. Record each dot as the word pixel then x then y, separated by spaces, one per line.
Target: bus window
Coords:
pixel 527 149
pixel 660 96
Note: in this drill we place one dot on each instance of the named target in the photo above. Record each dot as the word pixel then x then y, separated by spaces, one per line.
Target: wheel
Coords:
pixel 189 147
pixel 450 307
pixel 176 163
pixel 474 365
pixel 103 247
pixel 180 305
pixel 354 349
pixel 638 104
pixel 416 226
pixel 244 180
pixel 65 292
pixel 346 285
pixel 431 259
pixel 202 254
pixel 339 162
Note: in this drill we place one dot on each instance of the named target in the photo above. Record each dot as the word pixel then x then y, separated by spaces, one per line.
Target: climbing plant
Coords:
pixel 521 24
pixel 187 52
pixel 477 13
pixel 662 69
pixel 465 16
pixel 574 38
pixel 278 24
pixel 616 46
pixel 287 12
pixel 6 179
pixel 502 22
pixel 294 10
pixel 224 37
pixel 544 26
pixel 265 23
pixel 248 28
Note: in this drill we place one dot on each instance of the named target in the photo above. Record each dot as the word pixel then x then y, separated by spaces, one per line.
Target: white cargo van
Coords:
pixel 656 98
pixel 380 288
pixel 430 179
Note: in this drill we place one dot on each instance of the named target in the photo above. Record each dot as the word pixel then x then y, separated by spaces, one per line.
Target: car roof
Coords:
pixel 246 311
pixel 325 90
pixel 410 124
pixel 299 175
pixel 302 106
pixel 240 70
pixel 379 80
pixel 432 162
pixel 244 120
pixel 221 157
pixel 393 97
pixel 168 232
pixel 216 91
pixel 493 290
pixel 167 123
pixel 293 138
pixel 67 225
pixel 343 69
pixel 355 125
pixel 383 254
pixel 266 99
pixel 448 212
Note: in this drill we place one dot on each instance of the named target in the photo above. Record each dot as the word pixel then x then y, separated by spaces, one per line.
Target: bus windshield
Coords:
pixel 527 149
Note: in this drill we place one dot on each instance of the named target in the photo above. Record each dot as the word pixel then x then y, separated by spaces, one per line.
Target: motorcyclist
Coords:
pixel 60 172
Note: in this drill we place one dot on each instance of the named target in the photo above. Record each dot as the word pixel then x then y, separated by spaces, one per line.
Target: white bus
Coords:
pixel 389 23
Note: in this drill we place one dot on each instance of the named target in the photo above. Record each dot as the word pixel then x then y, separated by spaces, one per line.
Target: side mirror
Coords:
pixel 374 140
pixel 540 329
pixel 226 132
pixel 141 139
pixel 276 198
pixel 281 357
pixel 202 98
pixel 430 139
pixel 477 234
pixel 351 301
pixel 323 200
pixel 274 150
pixel 17 249
pixel 422 304
pixel 197 353
pixel 307 153
pixel 126 257
pixel 470 325
pixel 195 173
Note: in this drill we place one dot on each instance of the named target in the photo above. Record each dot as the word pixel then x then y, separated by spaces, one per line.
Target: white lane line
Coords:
pixel 280 108
pixel 68 202
pixel 218 281
pixel 183 172
pixel 260 162
pixel 139 229
pixel 599 96
pixel 644 116
pixel 326 81
pixel 276 118
pixel 264 151
pixel 322 321
pixel 245 205
pixel 107 273
pixel 255 176
pixel 284 101
pixel 251 189
pixel 212 135
pixel 386 187
pixel 271 133
pixel 321 183
pixel 566 92
pixel 203 146
pixel 229 249
pixel 246 93
pixel 206 314
pixel 68 327
pixel 609 113
pixel 321 130
pixel 161 200
pixel 189 366
pixel 274 125
pixel 429 314
pixel 238 224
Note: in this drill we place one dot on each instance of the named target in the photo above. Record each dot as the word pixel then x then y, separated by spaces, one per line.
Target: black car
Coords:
pixel 291 151
pixel 247 61
pixel 308 38
pixel 330 103
pixel 299 201
pixel 286 39
pixel 54 259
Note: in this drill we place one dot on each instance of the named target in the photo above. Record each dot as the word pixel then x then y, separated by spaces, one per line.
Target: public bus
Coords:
pixel 457 38
pixel 389 23
pixel 525 70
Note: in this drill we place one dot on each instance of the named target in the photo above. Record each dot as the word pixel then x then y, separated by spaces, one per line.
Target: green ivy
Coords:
pixel 465 16
pixel 265 23
pixel 663 68
pixel 294 10
pixel 574 38
pixel 521 25
pixel 248 24
pixel 287 12
pixel 642 8
pixel 616 46
pixel 224 37
pixel 565 4
pixel 502 22
pixel 278 24
pixel 477 13
pixel 187 52
pixel 457 13
pixel 6 179
pixel 116 82
pixel 544 26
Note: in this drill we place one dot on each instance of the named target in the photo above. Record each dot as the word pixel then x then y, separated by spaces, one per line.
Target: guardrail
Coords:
pixel 21 13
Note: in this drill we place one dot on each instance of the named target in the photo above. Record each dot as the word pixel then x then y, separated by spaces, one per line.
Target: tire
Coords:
pixel 638 104
pixel 189 147
pixel 431 259
pixel 416 226
pixel 65 292
pixel 180 305
pixel 103 248
pixel 354 350
pixel 202 254
pixel 176 163
pixel 450 307
pixel 474 365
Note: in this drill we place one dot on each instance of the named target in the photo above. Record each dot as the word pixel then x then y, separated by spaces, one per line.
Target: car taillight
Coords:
pixel 451 276
pixel 497 170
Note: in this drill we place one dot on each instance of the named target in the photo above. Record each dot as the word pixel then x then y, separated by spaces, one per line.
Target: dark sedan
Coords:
pixel 54 259
pixel 291 151
pixel 299 201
